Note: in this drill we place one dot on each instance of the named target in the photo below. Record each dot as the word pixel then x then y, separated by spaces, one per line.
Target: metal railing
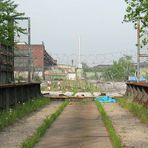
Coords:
pixel 12 94
pixel 138 91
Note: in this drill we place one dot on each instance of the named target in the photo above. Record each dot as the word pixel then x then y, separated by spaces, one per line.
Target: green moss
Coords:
pixel 31 141
pixel 116 141
pixel 10 116
pixel 137 109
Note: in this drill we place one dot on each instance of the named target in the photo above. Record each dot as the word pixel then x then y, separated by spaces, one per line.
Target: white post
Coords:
pixel 79 56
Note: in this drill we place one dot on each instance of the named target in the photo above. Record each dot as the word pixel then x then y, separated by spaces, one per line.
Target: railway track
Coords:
pixel 80 125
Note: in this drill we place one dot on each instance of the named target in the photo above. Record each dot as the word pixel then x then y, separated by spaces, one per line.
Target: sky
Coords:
pixel 98 23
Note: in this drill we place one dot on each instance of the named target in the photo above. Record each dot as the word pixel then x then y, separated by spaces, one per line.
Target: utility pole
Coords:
pixel 29 45
pixel 72 61
pixel 79 56
pixel 138 50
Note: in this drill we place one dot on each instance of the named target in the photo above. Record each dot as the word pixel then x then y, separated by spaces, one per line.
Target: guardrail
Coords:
pixel 12 94
pixel 139 92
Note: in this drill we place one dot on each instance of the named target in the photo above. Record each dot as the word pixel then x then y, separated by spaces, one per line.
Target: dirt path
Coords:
pixel 133 133
pixel 79 126
pixel 14 135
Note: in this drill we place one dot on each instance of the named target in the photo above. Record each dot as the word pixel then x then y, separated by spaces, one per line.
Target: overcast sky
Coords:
pixel 99 24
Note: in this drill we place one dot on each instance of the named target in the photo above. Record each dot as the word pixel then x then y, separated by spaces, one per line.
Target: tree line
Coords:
pixel 9 27
pixel 120 70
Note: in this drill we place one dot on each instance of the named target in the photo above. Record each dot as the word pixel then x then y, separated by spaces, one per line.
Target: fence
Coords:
pixel 10 95
pixel 6 64
pixel 139 92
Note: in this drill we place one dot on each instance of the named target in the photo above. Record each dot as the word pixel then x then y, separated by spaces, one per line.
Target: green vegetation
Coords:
pixel 9 27
pixel 108 123
pixel 137 109
pixel 91 73
pixel 44 88
pixel 137 10
pixel 31 141
pixel 120 70
pixel 9 117
pixel 37 78
pixel 74 86
pixel 20 79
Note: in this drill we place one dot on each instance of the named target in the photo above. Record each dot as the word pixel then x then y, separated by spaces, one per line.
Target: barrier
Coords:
pixel 139 92
pixel 12 94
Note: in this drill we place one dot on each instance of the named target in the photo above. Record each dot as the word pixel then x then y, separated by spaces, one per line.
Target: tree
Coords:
pixel 8 24
pixel 85 66
pixel 120 70
pixel 137 10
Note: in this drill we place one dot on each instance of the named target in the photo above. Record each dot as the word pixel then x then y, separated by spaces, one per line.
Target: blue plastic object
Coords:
pixel 106 99
pixel 132 78
pixel 142 78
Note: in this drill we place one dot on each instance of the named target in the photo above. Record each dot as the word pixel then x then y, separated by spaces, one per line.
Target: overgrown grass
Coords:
pixel 137 109
pixel 31 141
pixel 75 86
pixel 116 141
pixel 13 114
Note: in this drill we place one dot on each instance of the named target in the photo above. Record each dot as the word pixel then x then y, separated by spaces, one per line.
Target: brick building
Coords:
pixel 40 60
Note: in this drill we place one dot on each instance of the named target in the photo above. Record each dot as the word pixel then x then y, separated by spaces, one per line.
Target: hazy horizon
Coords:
pixel 99 24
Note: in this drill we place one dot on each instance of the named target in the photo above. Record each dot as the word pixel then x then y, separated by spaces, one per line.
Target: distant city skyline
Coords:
pixel 99 23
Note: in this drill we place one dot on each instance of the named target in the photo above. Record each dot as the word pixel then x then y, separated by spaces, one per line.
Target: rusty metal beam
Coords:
pixel 139 92
pixel 12 94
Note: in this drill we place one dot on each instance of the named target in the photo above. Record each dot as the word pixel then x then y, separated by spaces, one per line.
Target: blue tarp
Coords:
pixel 106 99
pixel 142 78
pixel 135 79
pixel 132 78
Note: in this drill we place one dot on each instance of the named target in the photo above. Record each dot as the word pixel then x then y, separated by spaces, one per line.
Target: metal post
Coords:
pixel 29 45
pixel 29 51
pixel 138 50
pixel 13 52
pixel 11 39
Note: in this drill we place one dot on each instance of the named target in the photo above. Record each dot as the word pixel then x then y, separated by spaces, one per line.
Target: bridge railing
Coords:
pixel 139 92
pixel 12 94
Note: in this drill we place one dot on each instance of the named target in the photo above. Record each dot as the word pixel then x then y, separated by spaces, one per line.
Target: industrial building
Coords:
pixel 61 72
pixel 33 58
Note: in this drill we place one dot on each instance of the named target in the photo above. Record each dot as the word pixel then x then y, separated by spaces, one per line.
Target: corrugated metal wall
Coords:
pixel 6 64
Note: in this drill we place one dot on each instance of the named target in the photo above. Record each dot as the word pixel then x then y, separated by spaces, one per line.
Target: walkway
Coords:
pixel 133 133
pixel 14 135
pixel 79 126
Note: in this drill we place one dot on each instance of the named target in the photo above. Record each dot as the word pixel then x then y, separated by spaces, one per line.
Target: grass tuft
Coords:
pixel 116 141
pixel 13 114
pixel 137 109
pixel 31 141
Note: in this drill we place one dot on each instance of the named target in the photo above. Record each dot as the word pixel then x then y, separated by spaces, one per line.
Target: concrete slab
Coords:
pixel 133 133
pixel 68 93
pixel 96 94
pixel 44 92
pixel 114 95
pixel 14 135
pixel 86 94
pixel 79 125
pixel 55 93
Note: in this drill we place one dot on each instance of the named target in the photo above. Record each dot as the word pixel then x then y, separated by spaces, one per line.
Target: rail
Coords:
pixel 139 92
pixel 12 94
